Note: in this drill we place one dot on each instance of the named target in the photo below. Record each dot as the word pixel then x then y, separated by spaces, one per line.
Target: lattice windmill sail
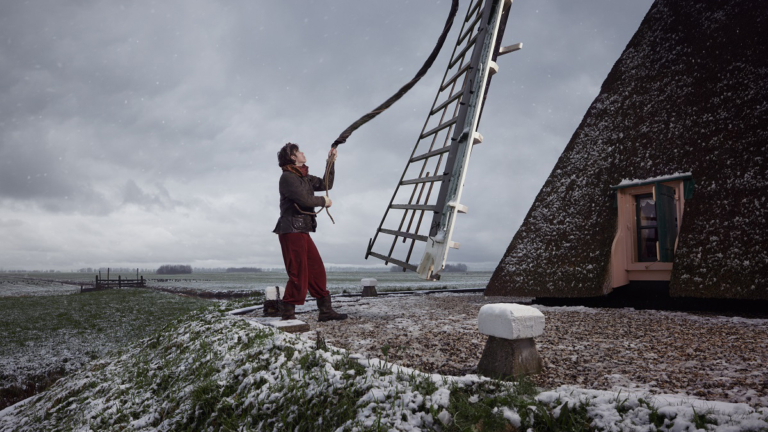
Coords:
pixel 441 154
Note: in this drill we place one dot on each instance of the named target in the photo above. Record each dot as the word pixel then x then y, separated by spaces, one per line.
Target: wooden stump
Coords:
pixel 509 359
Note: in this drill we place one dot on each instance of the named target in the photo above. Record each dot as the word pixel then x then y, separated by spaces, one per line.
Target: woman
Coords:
pixel 297 219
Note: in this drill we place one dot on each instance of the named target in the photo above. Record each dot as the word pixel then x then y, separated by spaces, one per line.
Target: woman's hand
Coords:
pixel 332 156
pixel 328 201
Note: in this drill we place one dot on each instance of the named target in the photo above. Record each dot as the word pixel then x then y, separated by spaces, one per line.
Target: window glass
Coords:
pixel 647 231
pixel 647 244
pixel 647 211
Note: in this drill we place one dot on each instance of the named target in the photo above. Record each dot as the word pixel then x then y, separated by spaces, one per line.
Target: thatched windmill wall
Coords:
pixel 689 94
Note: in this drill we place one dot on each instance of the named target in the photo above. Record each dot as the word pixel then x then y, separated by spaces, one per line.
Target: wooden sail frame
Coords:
pixel 443 148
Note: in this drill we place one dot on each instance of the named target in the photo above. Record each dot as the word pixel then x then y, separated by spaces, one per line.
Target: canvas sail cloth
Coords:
pixel 688 94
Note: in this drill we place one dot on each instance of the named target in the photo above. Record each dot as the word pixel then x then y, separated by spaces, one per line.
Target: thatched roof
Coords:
pixel 689 94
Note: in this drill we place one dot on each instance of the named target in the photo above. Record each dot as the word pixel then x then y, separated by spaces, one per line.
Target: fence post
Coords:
pixel 119 281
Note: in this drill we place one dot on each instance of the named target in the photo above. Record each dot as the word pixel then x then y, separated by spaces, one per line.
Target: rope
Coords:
pixel 328 164
pixel 389 102
pixel 404 89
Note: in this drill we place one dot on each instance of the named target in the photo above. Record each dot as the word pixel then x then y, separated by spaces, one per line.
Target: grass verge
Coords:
pixel 47 337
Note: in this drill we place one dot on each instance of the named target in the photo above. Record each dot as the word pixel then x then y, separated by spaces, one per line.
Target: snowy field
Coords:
pixel 50 330
pixel 338 282
pixel 46 337
pixel 17 286
pixel 28 284
pixel 604 369
pixel 212 371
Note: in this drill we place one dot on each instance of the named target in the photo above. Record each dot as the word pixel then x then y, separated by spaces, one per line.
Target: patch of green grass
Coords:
pixel 569 419
pixel 347 364
pixel 204 399
pixel 67 331
pixel 654 416
pixel 476 408
pixel 621 404
pixel 702 419
pixel 423 384
pixel 137 312
pixel 310 361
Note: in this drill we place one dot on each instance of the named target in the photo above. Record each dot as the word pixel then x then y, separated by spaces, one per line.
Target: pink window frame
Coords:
pixel 624 266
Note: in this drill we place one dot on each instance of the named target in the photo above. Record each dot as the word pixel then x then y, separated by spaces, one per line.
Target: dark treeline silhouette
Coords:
pixel 174 269
pixel 243 270
pixel 395 268
pixel 455 268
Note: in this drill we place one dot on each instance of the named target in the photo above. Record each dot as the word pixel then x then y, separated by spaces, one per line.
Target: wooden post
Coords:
pixel 97 281
pixel 107 275
pixel 119 280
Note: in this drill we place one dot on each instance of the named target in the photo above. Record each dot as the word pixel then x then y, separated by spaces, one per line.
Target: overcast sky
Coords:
pixel 145 133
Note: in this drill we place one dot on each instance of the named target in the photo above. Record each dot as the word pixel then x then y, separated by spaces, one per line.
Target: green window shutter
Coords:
pixel 666 214
pixel 688 188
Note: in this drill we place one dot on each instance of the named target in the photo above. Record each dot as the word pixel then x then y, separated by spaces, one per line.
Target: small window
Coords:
pixel 650 213
pixel 647 230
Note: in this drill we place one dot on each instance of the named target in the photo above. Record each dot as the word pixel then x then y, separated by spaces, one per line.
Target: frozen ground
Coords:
pixel 711 357
pixel 18 287
pixel 218 372
pixel 20 284
pixel 46 337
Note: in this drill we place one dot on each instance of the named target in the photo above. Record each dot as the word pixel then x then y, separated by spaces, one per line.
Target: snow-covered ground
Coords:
pixel 45 337
pixel 712 357
pixel 216 371
pixel 615 369
pixel 18 287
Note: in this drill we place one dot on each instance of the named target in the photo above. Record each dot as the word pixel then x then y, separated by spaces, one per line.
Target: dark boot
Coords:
pixel 326 311
pixel 271 308
pixel 287 311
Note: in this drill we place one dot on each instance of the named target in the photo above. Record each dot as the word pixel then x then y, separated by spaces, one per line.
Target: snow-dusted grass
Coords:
pixel 212 371
pixel 45 337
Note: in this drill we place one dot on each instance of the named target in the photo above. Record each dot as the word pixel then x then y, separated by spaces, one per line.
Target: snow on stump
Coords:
pixel 369 287
pixel 510 351
pixel 272 297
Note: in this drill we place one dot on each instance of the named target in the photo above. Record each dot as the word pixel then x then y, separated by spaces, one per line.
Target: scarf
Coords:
pixel 301 171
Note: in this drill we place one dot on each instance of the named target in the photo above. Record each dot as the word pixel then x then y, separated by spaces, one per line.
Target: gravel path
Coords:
pixel 711 357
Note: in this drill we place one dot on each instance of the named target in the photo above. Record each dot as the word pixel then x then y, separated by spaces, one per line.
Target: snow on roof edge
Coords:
pixel 637 182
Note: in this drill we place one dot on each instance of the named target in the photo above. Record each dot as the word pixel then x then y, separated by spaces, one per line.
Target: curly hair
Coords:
pixel 285 153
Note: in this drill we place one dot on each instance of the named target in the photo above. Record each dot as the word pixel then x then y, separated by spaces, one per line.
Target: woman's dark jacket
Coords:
pixel 300 190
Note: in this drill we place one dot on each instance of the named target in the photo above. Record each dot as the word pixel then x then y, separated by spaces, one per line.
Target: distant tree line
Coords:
pixel 243 270
pixel 397 268
pixel 448 268
pixel 174 269
pixel 455 268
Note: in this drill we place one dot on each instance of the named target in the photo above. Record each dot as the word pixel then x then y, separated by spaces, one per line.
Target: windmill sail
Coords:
pixel 419 212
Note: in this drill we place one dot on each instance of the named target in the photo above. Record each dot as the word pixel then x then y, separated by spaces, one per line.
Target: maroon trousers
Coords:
pixel 304 266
